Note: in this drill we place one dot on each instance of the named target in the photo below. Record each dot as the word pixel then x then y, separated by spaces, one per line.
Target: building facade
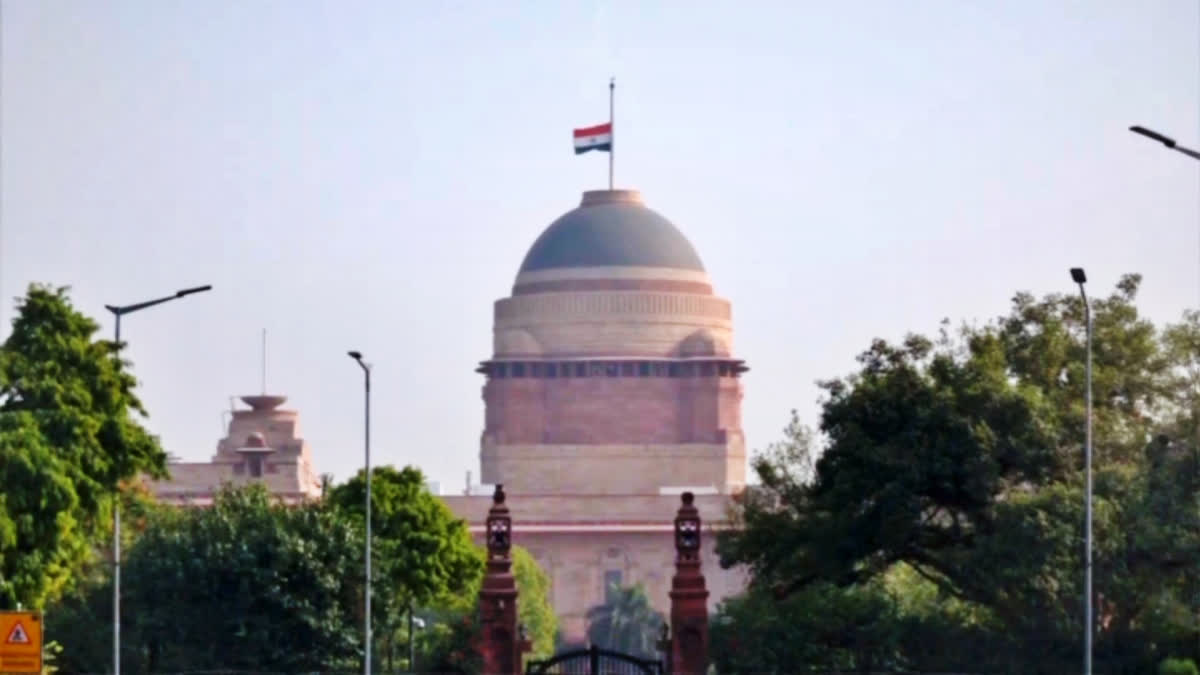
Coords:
pixel 263 445
pixel 612 388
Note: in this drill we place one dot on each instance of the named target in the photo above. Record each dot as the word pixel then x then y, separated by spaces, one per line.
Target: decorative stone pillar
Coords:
pixel 500 641
pixel 689 597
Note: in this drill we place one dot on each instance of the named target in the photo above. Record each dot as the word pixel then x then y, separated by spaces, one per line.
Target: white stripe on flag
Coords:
pixel 592 141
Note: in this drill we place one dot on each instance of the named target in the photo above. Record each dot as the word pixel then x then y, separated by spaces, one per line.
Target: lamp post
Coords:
pixel 1165 140
pixel 366 368
pixel 1080 278
pixel 118 311
pixel 1170 143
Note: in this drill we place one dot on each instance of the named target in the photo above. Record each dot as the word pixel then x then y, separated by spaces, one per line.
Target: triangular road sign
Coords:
pixel 17 636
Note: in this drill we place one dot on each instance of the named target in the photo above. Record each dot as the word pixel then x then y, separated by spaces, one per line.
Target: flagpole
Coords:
pixel 612 147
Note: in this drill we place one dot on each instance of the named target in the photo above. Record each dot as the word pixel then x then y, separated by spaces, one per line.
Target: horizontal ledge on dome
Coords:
pixel 683 367
pixel 609 359
pixel 604 285
pixel 621 196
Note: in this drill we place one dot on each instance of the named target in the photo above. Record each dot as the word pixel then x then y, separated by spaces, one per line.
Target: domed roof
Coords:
pixel 611 228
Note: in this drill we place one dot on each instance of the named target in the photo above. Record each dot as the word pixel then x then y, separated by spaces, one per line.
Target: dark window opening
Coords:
pixel 627 369
pixel 724 370
pixel 687 370
pixel 536 370
pixel 673 370
pixel 581 370
pixel 707 370
pixel 612 369
pixel 660 370
pixel 255 466
pixel 565 369
pixel 518 370
pixel 643 369
pixel 499 370
pixel 551 370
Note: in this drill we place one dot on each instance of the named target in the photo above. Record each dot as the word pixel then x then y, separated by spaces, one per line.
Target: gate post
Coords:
pixel 500 641
pixel 689 597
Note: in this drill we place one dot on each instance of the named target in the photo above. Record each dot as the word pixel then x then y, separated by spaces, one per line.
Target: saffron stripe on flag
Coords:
pixel 597 130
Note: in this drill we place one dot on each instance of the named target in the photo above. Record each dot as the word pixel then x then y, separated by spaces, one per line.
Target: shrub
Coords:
pixel 1178 667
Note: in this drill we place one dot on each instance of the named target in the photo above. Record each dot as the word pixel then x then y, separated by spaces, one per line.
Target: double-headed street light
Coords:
pixel 366 368
pixel 118 311
pixel 1080 278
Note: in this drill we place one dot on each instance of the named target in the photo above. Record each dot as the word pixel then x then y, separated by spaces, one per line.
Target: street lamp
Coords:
pixel 118 312
pixel 1080 278
pixel 1165 140
pixel 366 368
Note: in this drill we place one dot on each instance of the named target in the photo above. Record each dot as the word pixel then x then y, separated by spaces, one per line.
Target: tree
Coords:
pixel 533 603
pixel 626 623
pixel 423 553
pixel 446 643
pixel 248 584
pixel 68 439
pixel 820 628
pixel 960 457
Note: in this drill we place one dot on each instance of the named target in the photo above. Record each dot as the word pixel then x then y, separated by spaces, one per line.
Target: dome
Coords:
pixel 611 228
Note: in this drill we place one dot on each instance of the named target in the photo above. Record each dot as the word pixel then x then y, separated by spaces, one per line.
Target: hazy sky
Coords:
pixel 353 175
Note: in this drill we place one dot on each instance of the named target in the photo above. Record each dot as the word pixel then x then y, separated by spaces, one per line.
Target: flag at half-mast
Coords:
pixel 599 137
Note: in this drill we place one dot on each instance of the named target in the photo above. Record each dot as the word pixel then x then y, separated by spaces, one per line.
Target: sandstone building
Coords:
pixel 263 445
pixel 611 389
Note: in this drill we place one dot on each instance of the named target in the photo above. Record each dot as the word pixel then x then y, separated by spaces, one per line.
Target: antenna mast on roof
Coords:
pixel 264 362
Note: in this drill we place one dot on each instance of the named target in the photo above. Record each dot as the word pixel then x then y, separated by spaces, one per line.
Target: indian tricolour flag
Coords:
pixel 599 137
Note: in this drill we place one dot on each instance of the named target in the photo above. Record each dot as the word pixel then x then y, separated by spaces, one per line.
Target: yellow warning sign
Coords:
pixel 20 642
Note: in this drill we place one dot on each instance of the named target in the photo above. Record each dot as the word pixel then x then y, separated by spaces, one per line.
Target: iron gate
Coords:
pixel 594 661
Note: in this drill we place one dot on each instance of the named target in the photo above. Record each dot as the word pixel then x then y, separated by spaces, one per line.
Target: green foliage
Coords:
pixel 50 652
pixel 422 554
pixel 68 438
pixel 450 645
pixel 1178 667
pixel 444 642
pixel 819 628
pixel 40 535
pixel 533 603
pixel 422 550
pixel 246 584
pixel 626 623
pixel 956 462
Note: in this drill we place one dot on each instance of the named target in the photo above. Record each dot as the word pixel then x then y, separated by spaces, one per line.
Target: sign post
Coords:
pixel 20 642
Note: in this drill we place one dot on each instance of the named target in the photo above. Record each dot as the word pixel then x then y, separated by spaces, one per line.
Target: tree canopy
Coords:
pixel 959 457
pixel 423 554
pixel 534 609
pixel 248 583
pixel 69 435
pixel 447 647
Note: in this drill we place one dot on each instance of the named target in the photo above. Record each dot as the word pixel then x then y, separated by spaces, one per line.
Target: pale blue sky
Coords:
pixel 355 175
